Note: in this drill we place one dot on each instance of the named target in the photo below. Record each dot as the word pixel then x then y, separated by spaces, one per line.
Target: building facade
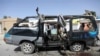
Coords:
pixel 7 23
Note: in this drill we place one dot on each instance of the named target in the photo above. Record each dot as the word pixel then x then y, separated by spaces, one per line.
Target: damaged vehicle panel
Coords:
pixel 73 31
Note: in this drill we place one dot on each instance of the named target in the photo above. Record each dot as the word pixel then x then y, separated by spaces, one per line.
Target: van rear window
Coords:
pixel 10 31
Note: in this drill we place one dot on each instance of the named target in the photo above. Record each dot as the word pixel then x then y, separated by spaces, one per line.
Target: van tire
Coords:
pixel 27 47
pixel 77 47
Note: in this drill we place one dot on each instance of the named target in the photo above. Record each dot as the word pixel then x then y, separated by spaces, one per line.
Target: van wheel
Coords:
pixel 76 47
pixel 27 47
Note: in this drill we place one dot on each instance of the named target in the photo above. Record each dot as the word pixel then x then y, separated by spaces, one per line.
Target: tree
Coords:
pixel 4 29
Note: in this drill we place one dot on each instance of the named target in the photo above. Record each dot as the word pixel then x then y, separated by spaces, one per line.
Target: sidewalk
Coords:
pixel 1 36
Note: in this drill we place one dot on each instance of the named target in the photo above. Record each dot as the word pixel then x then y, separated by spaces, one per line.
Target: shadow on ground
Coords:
pixel 17 49
pixel 41 49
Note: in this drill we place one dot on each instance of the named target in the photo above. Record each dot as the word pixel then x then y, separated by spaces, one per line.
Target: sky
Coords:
pixel 23 8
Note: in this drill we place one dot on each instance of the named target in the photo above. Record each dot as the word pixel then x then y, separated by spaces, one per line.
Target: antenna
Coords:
pixel 37 11
pixel 40 16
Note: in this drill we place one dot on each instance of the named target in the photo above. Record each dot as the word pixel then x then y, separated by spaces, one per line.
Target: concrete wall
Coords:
pixel 0 28
pixel 7 24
